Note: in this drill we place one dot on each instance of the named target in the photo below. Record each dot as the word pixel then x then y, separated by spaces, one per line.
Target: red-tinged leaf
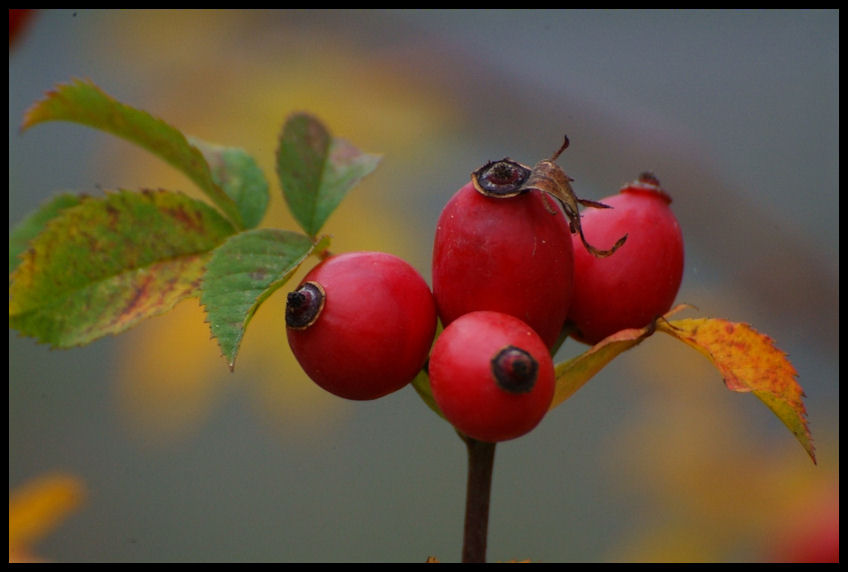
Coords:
pixel 83 102
pixel 242 273
pixel 574 373
pixel 748 361
pixel 33 224
pixel 101 266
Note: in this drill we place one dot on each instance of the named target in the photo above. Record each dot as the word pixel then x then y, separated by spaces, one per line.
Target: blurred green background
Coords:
pixel 735 111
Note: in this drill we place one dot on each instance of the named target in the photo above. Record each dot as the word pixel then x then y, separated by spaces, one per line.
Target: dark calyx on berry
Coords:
pixel 515 370
pixel 500 179
pixel 304 305
pixel 649 178
pixel 647 183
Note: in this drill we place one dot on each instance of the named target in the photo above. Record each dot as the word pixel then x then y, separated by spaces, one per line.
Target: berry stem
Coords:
pixel 481 459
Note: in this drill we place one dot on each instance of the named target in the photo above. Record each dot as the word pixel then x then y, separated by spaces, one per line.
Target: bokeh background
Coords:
pixel 180 460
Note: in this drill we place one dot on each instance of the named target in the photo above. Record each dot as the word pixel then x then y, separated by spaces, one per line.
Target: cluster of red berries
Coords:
pixel 514 267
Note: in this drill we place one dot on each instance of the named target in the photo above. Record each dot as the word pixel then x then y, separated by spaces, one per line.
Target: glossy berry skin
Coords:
pixel 639 281
pixel 511 255
pixel 492 376
pixel 373 333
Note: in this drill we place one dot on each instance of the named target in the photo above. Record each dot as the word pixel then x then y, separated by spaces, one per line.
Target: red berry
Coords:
pixel 361 324
pixel 492 376
pixel 504 252
pixel 18 20
pixel 640 280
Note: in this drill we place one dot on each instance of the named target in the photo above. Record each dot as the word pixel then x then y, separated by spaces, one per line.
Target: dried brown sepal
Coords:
pixel 548 177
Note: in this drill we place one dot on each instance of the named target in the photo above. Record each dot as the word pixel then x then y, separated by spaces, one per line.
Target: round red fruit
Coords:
pixel 637 283
pixel 510 253
pixel 492 376
pixel 361 324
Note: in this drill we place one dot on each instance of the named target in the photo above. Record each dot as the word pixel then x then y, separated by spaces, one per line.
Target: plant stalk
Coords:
pixel 481 458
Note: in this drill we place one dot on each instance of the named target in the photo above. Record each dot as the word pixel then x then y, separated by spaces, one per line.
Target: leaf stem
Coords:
pixel 481 458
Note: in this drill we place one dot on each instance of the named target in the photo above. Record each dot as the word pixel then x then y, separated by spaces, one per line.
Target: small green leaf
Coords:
pixel 242 273
pixel 33 224
pixel 421 383
pixel 102 266
pixel 83 102
pixel 238 174
pixel 316 170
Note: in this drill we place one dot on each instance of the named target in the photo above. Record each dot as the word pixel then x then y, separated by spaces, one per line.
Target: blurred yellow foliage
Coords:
pixel 36 508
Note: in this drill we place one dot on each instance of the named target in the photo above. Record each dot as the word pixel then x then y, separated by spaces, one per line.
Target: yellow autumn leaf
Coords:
pixel 574 373
pixel 749 362
pixel 37 507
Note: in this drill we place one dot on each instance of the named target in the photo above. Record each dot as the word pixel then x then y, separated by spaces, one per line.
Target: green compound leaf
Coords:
pixel 316 170
pixel 83 102
pixel 242 273
pixel 238 174
pixel 33 224
pixel 103 265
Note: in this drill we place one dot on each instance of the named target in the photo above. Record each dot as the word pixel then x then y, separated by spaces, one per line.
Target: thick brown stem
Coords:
pixel 481 458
